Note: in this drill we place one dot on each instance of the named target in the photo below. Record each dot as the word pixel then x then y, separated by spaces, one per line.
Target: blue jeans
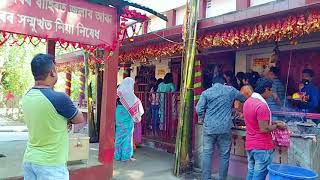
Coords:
pixel 258 161
pixel 224 145
pixel 38 172
pixel 155 118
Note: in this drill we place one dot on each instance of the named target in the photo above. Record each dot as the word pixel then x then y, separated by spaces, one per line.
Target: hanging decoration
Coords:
pixel 96 57
pixel 150 51
pixel 20 39
pixel 75 66
pixel 290 28
pixel 133 14
pixel 126 15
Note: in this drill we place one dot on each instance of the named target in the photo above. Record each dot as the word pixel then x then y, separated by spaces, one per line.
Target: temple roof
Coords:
pixel 120 4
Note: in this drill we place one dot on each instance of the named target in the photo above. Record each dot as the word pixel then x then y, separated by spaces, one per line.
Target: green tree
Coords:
pixel 16 71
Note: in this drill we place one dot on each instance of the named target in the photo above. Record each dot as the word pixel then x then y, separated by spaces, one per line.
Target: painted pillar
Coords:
pixel 51 47
pixel 82 86
pixel 197 90
pixel 197 86
pixel 171 15
pixel 197 80
pixel 145 27
pixel 202 9
pixel 68 82
pixel 242 4
pixel 108 106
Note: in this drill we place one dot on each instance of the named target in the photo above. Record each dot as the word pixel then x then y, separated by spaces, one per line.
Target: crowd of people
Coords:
pixel 54 111
pixel 214 109
pixel 260 96
pixel 308 92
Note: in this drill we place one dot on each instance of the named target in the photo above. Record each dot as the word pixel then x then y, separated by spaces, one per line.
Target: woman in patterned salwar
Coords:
pixel 128 111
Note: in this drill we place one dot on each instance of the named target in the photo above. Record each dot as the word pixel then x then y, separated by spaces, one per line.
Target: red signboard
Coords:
pixel 71 20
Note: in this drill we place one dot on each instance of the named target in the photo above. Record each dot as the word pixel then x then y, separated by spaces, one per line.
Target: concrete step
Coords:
pixel 158 144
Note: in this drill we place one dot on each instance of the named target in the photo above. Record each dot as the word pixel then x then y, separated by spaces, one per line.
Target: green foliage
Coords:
pixel 16 75
pixel 16 71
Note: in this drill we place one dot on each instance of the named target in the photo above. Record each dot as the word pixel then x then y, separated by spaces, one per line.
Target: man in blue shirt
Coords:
pixel 215 108
pixel 276 101
pixel 311 91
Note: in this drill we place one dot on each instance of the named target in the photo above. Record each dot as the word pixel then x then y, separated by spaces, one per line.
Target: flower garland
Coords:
pixel 126 15
pixel 20 39
pixel 150 51
pixel 133 14
pixel 286 28
pixel 75 65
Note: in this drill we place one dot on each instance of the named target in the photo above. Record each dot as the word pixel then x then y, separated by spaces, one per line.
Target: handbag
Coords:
pixel 281 137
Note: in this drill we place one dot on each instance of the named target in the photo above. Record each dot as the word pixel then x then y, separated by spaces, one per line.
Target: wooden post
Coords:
pixel 99 87
pixel 184 134
pixel 86 88
pixel 90 116
pixel 107 124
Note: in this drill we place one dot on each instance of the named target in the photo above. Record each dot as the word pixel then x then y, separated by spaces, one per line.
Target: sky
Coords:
pixel 161 5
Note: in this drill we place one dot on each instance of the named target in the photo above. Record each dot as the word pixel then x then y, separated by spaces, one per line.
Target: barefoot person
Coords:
pixel 128 111
pixel 47 113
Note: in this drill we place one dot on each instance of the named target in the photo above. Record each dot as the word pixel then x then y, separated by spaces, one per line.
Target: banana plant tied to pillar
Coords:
pixel 184 134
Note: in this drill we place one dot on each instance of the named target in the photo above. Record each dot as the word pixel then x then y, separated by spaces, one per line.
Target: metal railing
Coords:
pixel 168 113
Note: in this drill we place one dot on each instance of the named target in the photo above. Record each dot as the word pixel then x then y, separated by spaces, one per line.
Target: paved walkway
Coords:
pixel 150 164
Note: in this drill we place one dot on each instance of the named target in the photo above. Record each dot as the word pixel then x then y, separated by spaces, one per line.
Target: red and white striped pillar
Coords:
pixel 197 86
pixel 82 86
pixel 68 82
pixel 197 90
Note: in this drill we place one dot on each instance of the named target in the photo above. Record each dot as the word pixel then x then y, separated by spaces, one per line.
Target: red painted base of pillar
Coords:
pixel 106 155
pixel 92 173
